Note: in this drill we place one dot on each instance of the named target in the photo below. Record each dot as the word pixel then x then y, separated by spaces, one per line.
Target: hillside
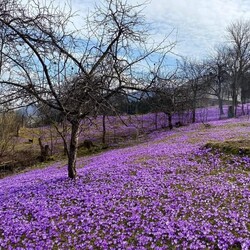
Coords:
pixel 171 192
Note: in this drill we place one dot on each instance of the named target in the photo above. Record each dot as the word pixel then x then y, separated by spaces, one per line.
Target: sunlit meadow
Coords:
pixel 169 192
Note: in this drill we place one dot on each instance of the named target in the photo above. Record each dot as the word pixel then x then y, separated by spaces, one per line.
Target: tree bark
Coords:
pixel 170 125
pixel 221 106
pixel 75 125
pixel 242 109
pixel 234 103
pixel 193 115
pixel 44 150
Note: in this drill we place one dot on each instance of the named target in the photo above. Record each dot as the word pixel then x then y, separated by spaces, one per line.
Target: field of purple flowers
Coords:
pixel 167 193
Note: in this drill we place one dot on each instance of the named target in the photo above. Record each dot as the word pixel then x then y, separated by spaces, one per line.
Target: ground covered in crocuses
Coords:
pixel 167 193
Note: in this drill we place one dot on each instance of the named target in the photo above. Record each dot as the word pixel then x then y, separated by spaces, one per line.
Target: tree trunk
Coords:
pixel 75 125
pixel 44 150
pixel 193 115
pixel 221 106
pixel 242 109
pixel 170 125
pixel 234 103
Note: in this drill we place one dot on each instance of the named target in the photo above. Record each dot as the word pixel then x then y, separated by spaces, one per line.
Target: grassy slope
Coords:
pixel 166 193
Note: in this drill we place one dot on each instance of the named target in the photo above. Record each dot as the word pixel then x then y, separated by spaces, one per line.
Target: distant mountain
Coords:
pixel 28 110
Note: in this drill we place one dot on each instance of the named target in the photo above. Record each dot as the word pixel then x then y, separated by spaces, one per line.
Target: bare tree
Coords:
pixel 219 77
pixel 239 44
pixel 76 72
pixel 194 75
pixel 167 94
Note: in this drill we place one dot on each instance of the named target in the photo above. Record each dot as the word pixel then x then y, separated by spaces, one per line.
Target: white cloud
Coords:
pixel 199 24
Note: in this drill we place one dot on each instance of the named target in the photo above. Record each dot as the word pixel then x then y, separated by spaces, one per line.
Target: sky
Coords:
pixel 196 25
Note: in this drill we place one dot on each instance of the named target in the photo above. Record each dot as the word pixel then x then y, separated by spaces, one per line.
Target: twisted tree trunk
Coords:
pixel 75 125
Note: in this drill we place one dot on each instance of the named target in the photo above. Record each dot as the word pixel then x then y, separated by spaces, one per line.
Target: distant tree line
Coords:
pixel 222 78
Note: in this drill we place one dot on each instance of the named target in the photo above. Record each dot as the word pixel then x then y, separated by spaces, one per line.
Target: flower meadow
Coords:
pixel 166 193
pixel 119 129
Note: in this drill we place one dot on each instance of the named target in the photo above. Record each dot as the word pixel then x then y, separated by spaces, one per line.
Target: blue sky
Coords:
pixel 198 24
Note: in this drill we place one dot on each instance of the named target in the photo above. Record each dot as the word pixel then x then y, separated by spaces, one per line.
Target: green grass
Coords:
pixel 235 147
